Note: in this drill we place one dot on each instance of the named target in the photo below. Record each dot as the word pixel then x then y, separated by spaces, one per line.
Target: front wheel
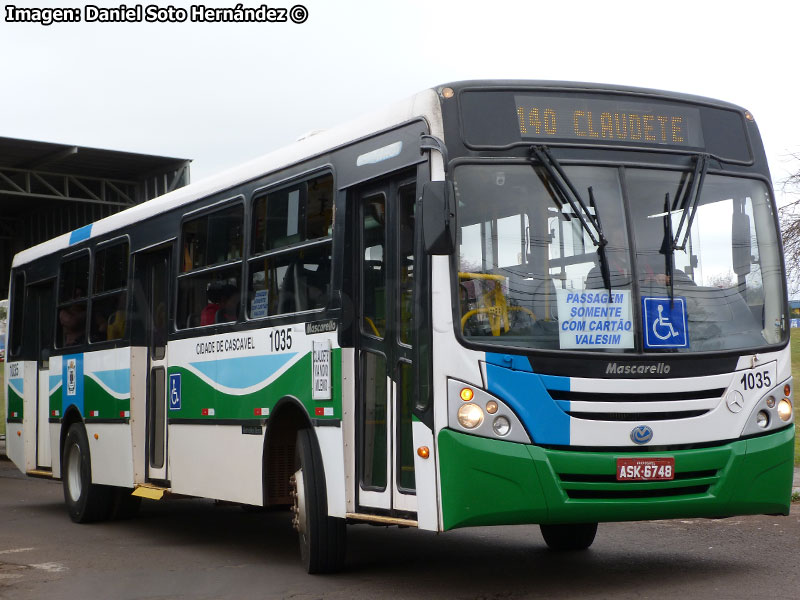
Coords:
pixel 322 538
pixel 86 501
pixel 575 536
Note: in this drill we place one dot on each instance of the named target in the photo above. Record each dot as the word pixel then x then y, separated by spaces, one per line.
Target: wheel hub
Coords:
pixel 74 472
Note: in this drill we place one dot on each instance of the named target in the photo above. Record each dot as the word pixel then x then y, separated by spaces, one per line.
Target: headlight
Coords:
pixel 762 419
pixel 474 411
pixel 470 416
pixel 785 409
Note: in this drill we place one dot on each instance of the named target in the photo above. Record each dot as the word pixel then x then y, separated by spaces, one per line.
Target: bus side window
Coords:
pixel 72 300
pixel 291 237
pixel 109 293
pixel 17 315
pixel 209 282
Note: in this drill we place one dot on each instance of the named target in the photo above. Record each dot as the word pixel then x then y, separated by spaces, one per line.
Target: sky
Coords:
pixel 221 94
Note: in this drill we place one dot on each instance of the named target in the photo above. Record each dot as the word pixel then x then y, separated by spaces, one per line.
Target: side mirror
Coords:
pixel 740 244
pixel 438 217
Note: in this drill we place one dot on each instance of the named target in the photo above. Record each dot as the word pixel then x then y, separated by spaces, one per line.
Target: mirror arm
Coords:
pixel 431 142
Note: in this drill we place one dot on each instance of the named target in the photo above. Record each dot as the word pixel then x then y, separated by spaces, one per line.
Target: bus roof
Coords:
pixel 425 103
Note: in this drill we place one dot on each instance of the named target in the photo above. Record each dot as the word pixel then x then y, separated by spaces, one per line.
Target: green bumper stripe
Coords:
pixel 490 482
pixel 99 404
pixel 15 404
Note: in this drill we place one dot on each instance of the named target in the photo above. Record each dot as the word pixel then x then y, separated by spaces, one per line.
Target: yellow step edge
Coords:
pixel 39 473
pixel 381 519
pixel 151 492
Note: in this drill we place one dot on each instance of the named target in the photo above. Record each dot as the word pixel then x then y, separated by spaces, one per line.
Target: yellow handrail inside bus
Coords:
pixel 494 303
pixel 490 276
pixel 493 310
pixel 372 326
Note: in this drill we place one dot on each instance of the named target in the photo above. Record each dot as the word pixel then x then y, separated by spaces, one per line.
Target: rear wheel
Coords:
pixel 86 501
pixel 322 538
pixel 574 536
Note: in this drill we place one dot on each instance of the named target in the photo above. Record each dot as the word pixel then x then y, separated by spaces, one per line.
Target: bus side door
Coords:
pixel 384 280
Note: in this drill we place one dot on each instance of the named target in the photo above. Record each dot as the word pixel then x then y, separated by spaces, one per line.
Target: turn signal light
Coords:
pixel 423 452
pixel 787 389
pixel 467 394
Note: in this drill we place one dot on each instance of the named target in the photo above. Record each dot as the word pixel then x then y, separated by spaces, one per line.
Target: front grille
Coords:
pixel 625 494
pixel 604 486
pixel 647 416
pixel 638 397
pixel 606 478
pixel 603 404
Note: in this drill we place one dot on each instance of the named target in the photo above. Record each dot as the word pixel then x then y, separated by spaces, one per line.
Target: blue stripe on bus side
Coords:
pixel 527 395
pixel 18 385
pixel 117 380
pixel 243 372
pixel 80 234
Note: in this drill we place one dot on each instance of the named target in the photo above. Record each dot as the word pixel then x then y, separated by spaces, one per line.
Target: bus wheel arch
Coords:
pixel 71 415
pixel 287 418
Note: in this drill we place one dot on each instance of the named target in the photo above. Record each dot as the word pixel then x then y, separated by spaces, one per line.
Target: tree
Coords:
pixel 789 216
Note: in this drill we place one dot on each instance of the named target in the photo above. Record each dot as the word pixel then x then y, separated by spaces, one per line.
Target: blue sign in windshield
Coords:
pixel 664 322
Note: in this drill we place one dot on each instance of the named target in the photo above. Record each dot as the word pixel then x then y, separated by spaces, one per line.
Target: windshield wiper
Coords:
pixel 567 193
pixel 668 249
pixel 690 202
pixel 605 271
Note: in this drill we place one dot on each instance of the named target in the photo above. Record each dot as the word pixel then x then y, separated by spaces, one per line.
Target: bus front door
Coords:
pixel 157 269
pixel 384 392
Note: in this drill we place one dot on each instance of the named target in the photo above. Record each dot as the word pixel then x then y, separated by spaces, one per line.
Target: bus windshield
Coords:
pixel 529 274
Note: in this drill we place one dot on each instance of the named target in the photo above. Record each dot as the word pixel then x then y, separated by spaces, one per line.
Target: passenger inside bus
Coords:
pixel 229 304
pixel 214 295
pixel 304 286
pixel 73 321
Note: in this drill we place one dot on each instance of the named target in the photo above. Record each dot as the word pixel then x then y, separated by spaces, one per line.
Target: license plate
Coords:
pixel 645 469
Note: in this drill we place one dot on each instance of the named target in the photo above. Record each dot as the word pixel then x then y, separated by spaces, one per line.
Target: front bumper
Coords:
pixel 491 482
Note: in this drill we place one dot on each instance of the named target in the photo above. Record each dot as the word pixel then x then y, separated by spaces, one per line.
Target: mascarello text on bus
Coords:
pixel 498 302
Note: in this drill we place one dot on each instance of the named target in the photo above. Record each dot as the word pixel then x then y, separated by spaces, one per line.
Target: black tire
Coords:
pixel 565 538
pixel 322 538
pixel 124 506
pixel 86 502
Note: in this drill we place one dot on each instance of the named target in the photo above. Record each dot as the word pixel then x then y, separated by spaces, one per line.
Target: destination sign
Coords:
pixel 601 120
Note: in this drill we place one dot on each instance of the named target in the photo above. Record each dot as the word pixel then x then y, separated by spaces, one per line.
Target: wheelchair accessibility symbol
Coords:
pixel 665 325
pixel 175 391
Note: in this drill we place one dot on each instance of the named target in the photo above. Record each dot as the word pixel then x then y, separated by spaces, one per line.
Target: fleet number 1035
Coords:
pixel 756 381
pixel 280 339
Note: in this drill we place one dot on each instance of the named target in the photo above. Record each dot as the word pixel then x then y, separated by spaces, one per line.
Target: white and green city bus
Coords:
pixel 498 302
